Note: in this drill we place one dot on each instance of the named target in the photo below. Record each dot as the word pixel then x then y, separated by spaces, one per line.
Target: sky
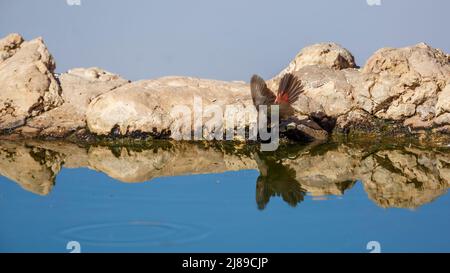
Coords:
pixel 225 40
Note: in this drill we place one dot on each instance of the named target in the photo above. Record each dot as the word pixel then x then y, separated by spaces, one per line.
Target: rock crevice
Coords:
pixel 406 89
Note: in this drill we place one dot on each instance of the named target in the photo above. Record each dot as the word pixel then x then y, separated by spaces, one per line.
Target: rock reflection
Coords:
pixel 394 175
pixel 33 168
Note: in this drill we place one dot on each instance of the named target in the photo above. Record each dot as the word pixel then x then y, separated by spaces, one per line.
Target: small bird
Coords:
pixel 288 92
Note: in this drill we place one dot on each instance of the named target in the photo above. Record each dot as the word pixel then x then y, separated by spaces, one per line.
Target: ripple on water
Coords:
pixel 134 233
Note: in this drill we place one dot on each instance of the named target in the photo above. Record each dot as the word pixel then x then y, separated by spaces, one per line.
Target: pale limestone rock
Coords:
pixel 355 117
pixel 146 106
pixel 79 86
pixel 9 45
pixel 149 107
pixel 443 119
pixel 326 90
pixel 416 122
pixel 402 84
pixel 407 85
pixel 329 55
pixel 443 101
pixel 408 81
pixel 28 85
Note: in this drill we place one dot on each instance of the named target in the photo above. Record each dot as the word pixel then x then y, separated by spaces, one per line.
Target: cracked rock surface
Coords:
pixel 28 87
pixel 80 86
pixel 406 88
pixel 407 85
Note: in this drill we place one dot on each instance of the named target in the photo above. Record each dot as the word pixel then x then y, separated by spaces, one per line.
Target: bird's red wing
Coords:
pixel 289 89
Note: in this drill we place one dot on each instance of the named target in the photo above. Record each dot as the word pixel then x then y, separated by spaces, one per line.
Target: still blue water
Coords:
pixel 208 213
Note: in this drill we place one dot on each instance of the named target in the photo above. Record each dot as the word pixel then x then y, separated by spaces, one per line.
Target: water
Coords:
pixel 187 197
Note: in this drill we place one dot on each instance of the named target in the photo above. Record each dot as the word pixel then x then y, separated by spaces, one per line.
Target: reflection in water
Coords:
pixel 276 179
pixel 403 176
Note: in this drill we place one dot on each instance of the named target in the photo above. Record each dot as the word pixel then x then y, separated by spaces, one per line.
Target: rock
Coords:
pixel 145 106
pixel 324 55
pixel 443 119
pixel 406 85
pixel 325 90
pixel 407 82
pixel 398 91
pixel 79 87
pixel 443 101
pixel 9 46
pixel 303 129
pixel 356 118
pixel 28 85
pixel 421 60
pixel 329 55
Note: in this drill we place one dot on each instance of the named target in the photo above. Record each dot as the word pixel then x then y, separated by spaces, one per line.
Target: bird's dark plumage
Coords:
pixel 261 94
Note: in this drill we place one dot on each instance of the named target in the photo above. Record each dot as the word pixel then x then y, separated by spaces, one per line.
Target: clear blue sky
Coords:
pixel 227 40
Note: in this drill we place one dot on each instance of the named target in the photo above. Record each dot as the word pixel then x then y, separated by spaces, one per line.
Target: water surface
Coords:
pixel 202 197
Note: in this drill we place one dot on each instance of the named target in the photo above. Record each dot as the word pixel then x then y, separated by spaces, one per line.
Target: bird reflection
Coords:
pixel 276 179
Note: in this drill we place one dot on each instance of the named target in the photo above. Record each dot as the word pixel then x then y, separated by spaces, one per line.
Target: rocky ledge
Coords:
pixel 399 91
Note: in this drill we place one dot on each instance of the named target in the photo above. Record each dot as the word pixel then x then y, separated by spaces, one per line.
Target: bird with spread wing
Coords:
pixel 289 90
